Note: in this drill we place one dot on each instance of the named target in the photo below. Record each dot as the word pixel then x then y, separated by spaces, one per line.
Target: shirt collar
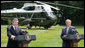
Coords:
pixel 68 27
pixel 13 27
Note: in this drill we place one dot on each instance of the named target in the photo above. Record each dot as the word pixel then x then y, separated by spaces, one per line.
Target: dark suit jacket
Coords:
pixel 11 31
pixel 66 43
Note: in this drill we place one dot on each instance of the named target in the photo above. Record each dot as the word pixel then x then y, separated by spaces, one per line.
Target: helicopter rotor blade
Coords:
pixel 14 1
pixel 47 4
pixel 65 5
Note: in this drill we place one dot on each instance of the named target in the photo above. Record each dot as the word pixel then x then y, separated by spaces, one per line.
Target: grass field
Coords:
pixel 45 38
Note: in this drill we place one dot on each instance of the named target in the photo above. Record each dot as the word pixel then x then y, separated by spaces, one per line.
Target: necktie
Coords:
pixel 67 30
pixel 15 29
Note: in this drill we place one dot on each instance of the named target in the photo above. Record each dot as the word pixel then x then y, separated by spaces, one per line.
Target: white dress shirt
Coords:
pixel 13 27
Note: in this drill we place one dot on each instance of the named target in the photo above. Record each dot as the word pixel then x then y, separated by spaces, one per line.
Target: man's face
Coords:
pixel 68 23
pixel 15 23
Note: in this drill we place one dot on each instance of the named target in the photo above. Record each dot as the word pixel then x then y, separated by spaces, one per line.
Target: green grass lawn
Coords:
pixel 45 38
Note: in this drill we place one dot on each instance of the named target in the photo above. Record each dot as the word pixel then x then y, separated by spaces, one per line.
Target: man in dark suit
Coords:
pixel 65 31
pixel 12 31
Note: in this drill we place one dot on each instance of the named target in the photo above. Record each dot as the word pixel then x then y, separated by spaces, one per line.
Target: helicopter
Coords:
pixel 36 14
pixel 33 14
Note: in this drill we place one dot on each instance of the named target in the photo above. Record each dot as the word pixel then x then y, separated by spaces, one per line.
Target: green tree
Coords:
pixel 76 15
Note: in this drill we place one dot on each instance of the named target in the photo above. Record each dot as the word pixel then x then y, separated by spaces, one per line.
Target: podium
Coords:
pixel 74 39
pixel 25 39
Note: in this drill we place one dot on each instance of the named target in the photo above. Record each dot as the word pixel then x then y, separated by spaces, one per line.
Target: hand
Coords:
pixel 78 37
pixel 64 35
pixel 12 37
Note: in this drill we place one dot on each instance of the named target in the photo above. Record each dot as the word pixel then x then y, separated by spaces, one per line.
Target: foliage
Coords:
pixel 76 15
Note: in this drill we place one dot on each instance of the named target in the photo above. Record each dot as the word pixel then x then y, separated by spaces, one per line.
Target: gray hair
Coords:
pixel 68 20
pixel 15 19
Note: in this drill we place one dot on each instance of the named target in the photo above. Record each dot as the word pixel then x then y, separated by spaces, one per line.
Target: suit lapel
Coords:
pixel 65 30
pixel 13 30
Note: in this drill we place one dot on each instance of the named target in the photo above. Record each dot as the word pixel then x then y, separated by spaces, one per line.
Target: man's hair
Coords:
pixel 68 20
pixel 15 19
